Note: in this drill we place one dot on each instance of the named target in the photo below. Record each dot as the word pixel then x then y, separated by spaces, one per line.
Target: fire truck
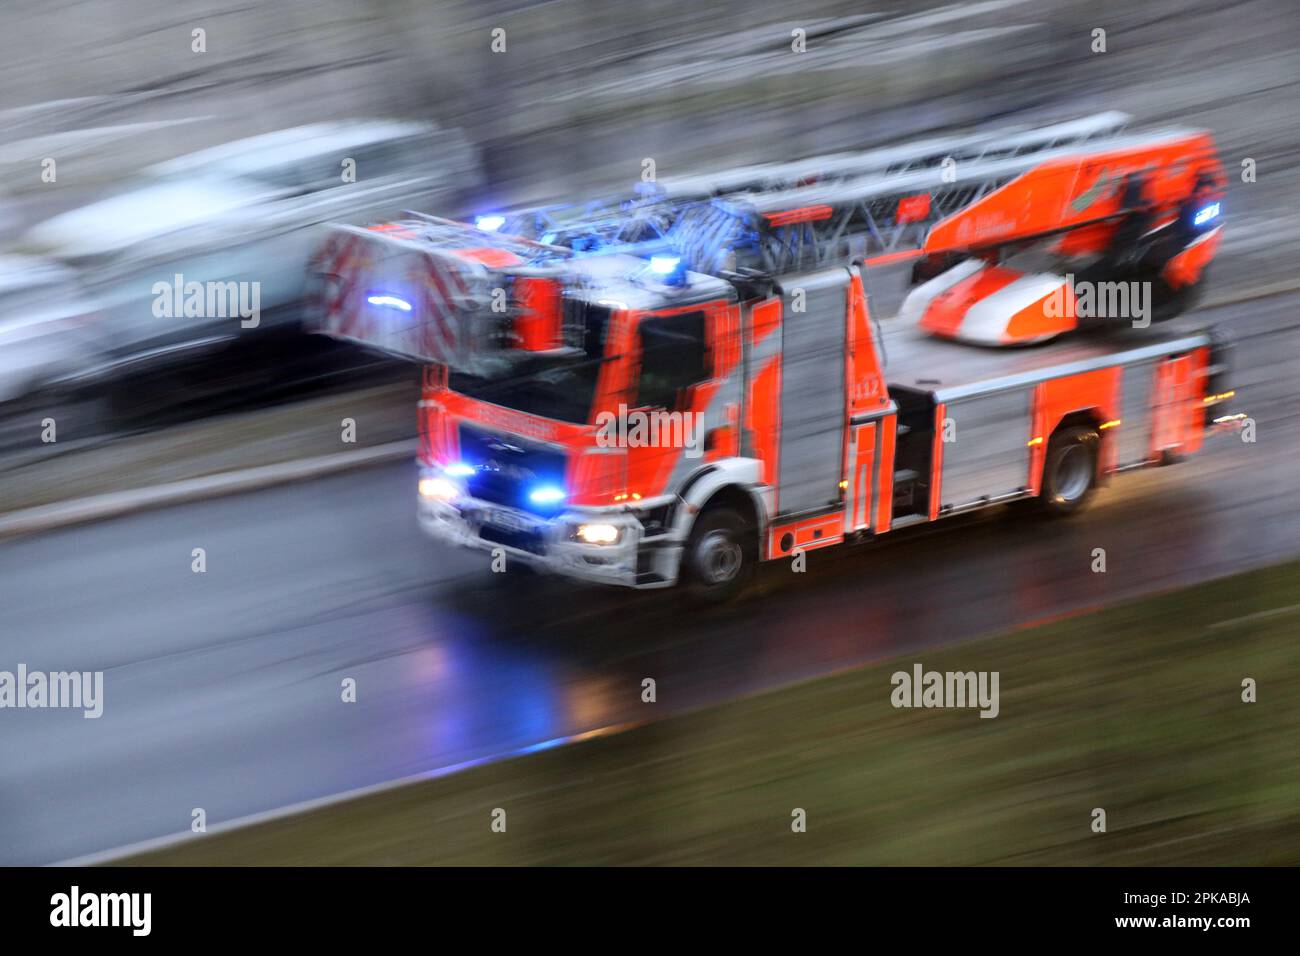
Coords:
pixel 795 417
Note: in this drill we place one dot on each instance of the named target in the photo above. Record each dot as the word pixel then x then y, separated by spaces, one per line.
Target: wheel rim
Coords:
pixel 720 558
pixel 1073 473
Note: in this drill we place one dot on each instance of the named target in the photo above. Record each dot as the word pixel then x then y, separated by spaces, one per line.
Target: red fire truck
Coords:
pixel 617 417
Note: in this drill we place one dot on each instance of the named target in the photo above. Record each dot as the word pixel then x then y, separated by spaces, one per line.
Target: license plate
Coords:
pixel 508 520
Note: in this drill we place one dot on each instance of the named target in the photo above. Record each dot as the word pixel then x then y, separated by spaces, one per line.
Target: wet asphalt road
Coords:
pixel 222 689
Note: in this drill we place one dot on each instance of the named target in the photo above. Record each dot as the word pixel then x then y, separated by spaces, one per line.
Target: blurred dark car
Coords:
pixel 246 213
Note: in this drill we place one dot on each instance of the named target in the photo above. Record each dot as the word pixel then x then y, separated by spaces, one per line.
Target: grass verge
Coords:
pixel 1135 709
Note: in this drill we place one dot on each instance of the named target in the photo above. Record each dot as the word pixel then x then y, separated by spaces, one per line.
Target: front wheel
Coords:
pixel 1069 470
pixel 719 558
pixel 44 422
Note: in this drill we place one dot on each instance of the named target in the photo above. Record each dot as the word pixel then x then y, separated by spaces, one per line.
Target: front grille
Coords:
pixel 523 540
pixel 507 469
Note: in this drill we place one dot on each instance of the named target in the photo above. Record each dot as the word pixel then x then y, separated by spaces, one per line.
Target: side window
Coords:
pixel 324 172
pixel 374 161
pixel 286 180
pixel 673 357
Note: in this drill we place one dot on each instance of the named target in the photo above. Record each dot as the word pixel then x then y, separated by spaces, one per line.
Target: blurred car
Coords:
pixel 52 353
pixel 245 212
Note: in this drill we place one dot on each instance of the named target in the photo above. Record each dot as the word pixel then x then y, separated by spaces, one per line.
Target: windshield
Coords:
pixel 560 386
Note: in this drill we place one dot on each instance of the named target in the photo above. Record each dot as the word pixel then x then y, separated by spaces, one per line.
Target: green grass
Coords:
pixel 1135 709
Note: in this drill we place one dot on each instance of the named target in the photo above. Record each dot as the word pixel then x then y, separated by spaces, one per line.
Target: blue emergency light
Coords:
pixel 1206 214
pixel 546 495
pixel 389 302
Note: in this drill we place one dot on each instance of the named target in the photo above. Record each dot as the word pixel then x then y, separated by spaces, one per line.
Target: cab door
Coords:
pixel 669 408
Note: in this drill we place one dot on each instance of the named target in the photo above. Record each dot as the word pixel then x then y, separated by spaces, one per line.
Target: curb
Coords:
pixel 117 503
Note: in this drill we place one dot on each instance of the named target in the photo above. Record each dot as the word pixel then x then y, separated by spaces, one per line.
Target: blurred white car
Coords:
pixel 52 353
pixel 246 213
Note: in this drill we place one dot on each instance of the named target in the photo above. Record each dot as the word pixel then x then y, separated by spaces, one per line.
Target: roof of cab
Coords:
pixel 628 281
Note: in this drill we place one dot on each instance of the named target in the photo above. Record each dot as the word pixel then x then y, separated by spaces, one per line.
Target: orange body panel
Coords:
pixel 859 495
pixel 1071 192
pixel 724 442
pixel 936 460
pixel 1186 267
pixel 1094 392
pixel 946 313
pixel 867 390
pixel 649 468
pixel 724 339
pixel 1195 401
pixel 913 208
pixel 437 442
pixel 1179 394
pixel 891 257
pixel 601 476
pixel 1037 441
pixel 1033 321
pixel 765 318
pixel 804 214
pixel 539 321
pixel 885 493
pixel 805 535
pixel 1086 239
pixel 487 255
pixel 763 417
pixel 763 403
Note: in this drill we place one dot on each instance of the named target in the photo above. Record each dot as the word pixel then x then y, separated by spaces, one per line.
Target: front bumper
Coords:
pixel 547 543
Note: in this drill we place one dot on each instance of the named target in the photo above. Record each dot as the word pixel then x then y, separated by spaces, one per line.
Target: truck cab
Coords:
pixel 571 457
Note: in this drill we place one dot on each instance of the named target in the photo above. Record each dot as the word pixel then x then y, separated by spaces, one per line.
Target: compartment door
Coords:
pixel 813 397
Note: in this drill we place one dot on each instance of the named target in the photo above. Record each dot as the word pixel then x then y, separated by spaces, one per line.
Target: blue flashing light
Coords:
pixel 664 265
pixel 546 495
pixel 1206 214
pixel 544 745
pixel 490 223
pixel 459 469
pixel 389 302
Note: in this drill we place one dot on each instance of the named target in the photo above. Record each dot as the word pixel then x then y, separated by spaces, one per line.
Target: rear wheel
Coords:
pixel 1168 302
pixel 719 558
pixel 1069 470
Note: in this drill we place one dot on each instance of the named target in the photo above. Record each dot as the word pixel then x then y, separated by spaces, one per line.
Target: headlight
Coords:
pixel 437 489
pixel 598 533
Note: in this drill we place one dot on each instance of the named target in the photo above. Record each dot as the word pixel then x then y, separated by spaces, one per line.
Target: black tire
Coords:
pixel 720 555
pixel 77 416
pixel 1069 470
pixel 1169 303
